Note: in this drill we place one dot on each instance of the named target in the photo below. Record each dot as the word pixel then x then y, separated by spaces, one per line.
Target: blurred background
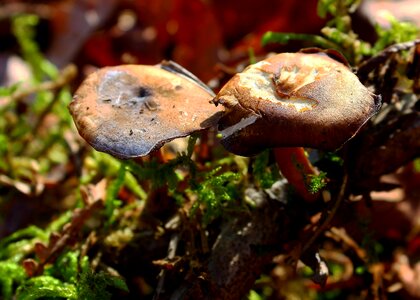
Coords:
pixel 198 34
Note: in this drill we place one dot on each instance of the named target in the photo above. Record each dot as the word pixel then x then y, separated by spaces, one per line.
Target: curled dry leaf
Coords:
pixel 408 275
pixel 22 187
pixel 396 142
pixel 30 266
pixel 294 99
pixel 59 241
pixel 131 110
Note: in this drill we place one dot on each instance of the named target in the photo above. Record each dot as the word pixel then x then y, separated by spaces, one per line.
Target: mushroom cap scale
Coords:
pixel 291 100
pixel 131 110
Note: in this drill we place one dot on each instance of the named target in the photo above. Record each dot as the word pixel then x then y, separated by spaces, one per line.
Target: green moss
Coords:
pixel 265 174
pixel 417 165
pixel 398 32
pixel 95 286
pixel 46 286
pixel 214 192
pixel 111 200
pixel 23 29
pixel 11 274
pixel 317 182
pixel 253 295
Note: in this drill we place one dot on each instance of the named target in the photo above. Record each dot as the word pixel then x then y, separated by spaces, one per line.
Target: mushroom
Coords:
pixel 294 100
pixel 131 110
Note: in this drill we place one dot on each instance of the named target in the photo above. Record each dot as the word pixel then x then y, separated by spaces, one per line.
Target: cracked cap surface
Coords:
pixel 293 100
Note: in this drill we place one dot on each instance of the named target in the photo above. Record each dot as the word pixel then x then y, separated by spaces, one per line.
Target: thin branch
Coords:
pixel 173 245
pixel 369 65
pixel 328 215
pixel 66 76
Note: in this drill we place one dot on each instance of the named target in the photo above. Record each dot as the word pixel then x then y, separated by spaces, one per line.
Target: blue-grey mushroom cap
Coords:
pixel 130 110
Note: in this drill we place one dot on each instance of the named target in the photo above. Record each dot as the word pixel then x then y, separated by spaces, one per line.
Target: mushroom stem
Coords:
pixel 296 168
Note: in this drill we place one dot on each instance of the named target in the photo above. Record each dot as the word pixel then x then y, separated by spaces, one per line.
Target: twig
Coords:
pixel 66 76
pixel 368 65
pixel 173 244
pixel 327 216
pixel 396 142
pixel 340 234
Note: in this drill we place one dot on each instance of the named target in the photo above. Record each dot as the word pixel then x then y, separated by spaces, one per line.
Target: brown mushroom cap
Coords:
pixel 293 100
pixel 131 110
